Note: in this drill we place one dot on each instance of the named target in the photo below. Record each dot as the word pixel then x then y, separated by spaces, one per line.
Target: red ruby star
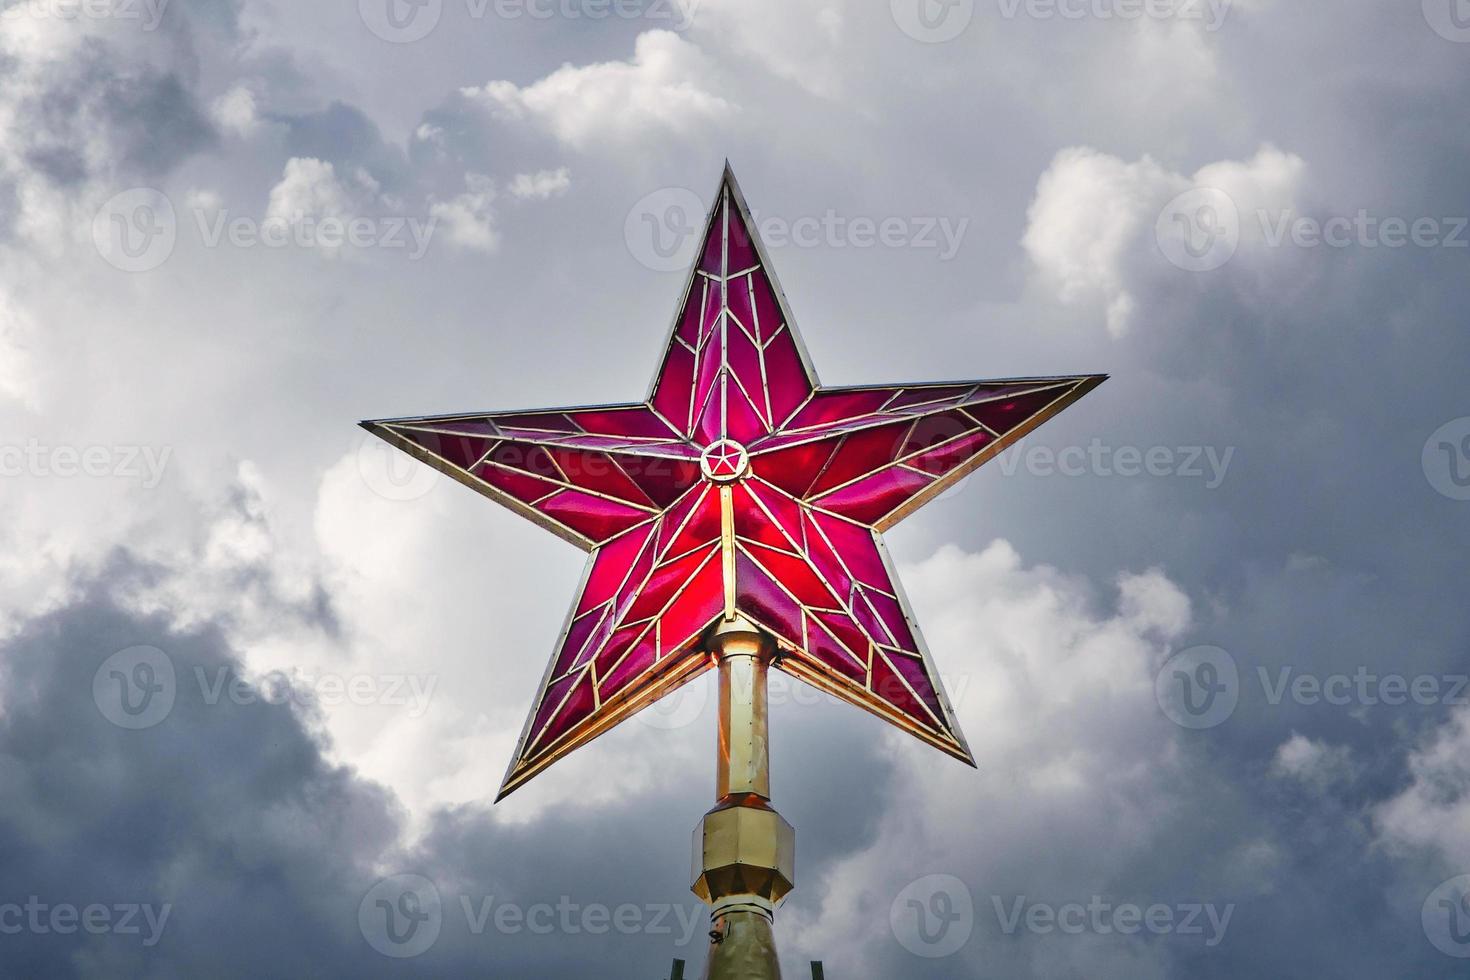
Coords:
pixel 739 486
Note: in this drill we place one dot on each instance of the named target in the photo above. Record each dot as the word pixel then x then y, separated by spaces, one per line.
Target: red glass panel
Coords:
pixel 835 406
pixel 892 615
pixel 611 566
pixel 768 318
pixel 741 250
pixel 576 638
pixel 794 468
pixel 674 517
pixel 539 421
pixel 694 609
pixel 461 450
pixel 1006 414
pixel 912 670
pixel 934 430
pixel 526 457
pixel 555 694
pixel 617 645
pixel 593 517
pixel 675 386
pixel 623 422
pixel 847 633
pixel 712 310
pixel 692 314
pixel 662 479
pixel 666 579
pixel 765 601
pixel 738 302
pixel 786 378
pixel 639 659
pixel 889 686
pixel 712 257
pixel 795 574
pixel 824 560
pixel 702 528
pixel 741 421
pixel 745 363
pixel 864 615
pixel 857 547
pixel 578 706
pixel 821 645
pixel 527 489
pixel 924 396
pixel 947 457
pixel 859 453
pixel 869 500
pixel 598 472
pixel 468 427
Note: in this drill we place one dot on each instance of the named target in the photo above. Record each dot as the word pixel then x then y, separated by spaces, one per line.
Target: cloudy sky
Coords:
pixel 1205 632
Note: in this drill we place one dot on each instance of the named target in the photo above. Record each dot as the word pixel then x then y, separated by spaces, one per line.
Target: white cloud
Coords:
pixel 235 112
pixel 1091 230
pixel 1433 811
pixel 1312 763
pixel 664 89
pixel 541 184
pixel 469 219
pixel 1075 759
pixel 17 371
pixel 308 190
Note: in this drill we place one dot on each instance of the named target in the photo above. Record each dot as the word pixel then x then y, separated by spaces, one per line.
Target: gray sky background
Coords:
pixel 1252 215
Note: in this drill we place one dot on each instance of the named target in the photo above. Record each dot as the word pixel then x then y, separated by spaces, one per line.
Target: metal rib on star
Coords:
pixel 740 487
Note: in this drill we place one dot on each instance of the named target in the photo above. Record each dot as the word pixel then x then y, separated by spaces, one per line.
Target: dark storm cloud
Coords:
pixel 263 851
pixel 147 116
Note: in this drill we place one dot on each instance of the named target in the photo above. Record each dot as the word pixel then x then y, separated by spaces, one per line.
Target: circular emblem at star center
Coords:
pixel 724 461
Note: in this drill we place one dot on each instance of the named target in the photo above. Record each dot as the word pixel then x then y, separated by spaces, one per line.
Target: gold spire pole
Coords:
pixel 744 851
